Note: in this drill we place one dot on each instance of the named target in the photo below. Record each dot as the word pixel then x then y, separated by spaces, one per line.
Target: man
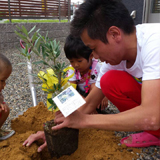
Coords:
pixel 129 78
pixel 131 53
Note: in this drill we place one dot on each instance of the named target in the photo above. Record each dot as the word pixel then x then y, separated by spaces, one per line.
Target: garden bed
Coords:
pixel 94 144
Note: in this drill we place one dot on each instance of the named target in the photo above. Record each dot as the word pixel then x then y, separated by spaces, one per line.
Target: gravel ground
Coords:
pixel 18 95
pixel 17 91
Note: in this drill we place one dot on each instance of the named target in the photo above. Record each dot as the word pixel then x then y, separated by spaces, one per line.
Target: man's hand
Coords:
pixel 59 117
pixel 35 137
pixel 74 120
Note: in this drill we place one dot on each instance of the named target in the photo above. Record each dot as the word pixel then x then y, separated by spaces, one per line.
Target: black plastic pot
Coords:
pixel 60 142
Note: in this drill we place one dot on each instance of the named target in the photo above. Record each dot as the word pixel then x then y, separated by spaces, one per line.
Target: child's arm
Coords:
pixel 104 103
pixel 3 105
pixel 92 85
pixel 1 98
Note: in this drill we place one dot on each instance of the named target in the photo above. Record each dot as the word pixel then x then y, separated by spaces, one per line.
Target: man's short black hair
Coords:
pixel 97 16
pixel 75 48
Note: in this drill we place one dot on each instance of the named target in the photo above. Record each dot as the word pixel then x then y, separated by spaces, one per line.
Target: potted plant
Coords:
pixel 54 80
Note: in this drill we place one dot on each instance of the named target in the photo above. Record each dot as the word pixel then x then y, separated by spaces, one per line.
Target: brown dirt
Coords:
pixel 94 144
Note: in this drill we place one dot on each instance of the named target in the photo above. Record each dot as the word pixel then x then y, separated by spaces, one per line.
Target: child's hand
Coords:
pixel 104 103
pixel 3 107
pixel 1 98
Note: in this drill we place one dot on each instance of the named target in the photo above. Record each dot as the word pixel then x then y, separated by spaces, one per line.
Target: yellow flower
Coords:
pixel 49 79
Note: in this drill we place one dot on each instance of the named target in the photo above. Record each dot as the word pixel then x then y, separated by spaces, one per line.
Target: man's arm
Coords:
pixel 93 99
pixel 143 117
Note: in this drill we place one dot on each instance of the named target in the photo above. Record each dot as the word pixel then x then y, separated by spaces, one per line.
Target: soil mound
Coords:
pixel 94 144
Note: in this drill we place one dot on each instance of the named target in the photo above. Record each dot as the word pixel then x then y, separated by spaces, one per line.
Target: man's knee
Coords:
pixel 111 77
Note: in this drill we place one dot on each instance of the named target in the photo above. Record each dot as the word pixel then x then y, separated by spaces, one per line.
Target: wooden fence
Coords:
pixel 34 9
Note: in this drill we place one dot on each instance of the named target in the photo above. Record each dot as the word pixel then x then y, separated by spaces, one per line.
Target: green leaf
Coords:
pixel 20 35
pixel 34 37
pixel 38 62
pixel 32 30
pixel 51 90
pixel 39 49
pixel 63 65
pixel 43 52
pixel 50 100
pixel 58 53
pixel 40 36
pixel 46 36
pixel 24 30
pixel 38 30
pixel 34 75
pixel 55 107
pixel 52 47
pixel 50 107
pixel 22 63
pixel 54 86
pixel 18 28
pixel 38 42
pixel 45 63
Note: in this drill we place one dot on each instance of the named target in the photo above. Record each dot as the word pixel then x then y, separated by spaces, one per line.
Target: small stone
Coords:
pixel 129 150
pixel 158 156
pixel 151 158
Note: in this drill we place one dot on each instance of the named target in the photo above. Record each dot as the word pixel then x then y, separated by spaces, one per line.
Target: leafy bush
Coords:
pixel 47 52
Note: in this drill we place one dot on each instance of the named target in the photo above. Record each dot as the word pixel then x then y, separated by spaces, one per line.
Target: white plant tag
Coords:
pixel 68 101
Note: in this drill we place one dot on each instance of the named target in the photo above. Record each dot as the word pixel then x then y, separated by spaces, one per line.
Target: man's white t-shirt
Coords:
pixel 147 64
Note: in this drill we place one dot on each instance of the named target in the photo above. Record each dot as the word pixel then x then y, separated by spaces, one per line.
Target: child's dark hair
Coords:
pixel 4 62
pixel 75 48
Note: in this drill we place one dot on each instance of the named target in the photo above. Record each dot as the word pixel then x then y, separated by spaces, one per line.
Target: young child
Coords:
pixel 5 71
pixel 86 68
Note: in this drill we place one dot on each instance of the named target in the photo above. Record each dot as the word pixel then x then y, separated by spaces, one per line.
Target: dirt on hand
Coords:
pixel 94 144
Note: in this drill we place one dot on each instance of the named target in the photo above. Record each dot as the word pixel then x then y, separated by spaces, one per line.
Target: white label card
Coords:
pixel 68 101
